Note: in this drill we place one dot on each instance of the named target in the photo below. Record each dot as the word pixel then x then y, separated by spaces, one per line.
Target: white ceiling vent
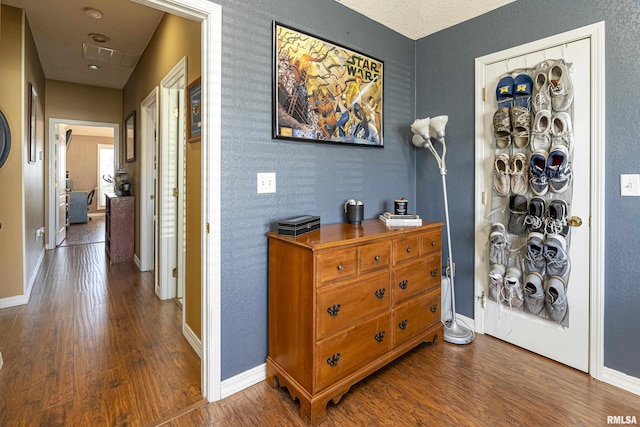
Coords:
pixel 109 56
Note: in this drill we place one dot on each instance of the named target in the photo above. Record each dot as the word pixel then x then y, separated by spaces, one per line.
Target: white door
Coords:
pixel 566 341
pixel 171 183
pixel 60 162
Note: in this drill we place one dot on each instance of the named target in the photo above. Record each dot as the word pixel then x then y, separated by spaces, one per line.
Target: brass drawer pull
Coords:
pixel 433 308
pixel 409 249
pixel 340 267
pixel 333 310
pixel 379 336
pixel 334 359
pixel 380 293
pixel 403 284
pixel 377 258
pixel 434 272
pixel 403 325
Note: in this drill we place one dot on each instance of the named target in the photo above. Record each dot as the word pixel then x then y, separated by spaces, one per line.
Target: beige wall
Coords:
pixel 33 174
pixel 21 182
pixel 82 163
pixel 82 102
pixel 11 271
pixel 174 38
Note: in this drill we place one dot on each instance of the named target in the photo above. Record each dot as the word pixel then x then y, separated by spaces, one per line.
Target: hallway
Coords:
pixel 94 346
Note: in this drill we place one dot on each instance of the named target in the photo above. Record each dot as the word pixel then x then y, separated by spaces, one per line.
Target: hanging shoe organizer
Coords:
pixel 528 246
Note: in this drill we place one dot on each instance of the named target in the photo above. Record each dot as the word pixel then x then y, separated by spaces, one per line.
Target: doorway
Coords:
pixel 61 142
pixel 578 343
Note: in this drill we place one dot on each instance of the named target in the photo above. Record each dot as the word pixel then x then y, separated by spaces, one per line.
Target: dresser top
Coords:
pixel 370 229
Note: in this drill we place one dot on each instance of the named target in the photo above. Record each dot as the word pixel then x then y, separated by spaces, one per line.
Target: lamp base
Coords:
pixel 456 334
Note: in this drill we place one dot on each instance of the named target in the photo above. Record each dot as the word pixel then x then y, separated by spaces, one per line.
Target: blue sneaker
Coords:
pixel 558 170
pixel 538 179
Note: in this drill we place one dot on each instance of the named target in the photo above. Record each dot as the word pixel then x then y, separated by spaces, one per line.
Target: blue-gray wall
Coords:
pixel 445 85
pixel 311 178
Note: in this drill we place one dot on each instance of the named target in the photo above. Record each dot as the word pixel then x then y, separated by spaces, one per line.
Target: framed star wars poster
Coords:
pixel 324 92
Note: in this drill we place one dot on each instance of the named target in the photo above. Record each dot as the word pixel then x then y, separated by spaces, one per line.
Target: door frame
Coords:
pixel 596 34
pixel 149 120
pixel 209 15
pixel 174 83
pixel 53 123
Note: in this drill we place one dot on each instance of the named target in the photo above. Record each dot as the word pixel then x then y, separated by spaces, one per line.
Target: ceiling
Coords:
pixel 61 31
pixel 61 27
pixel 418 18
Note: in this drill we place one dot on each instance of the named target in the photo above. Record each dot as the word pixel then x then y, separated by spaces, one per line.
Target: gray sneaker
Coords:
pixel 535 261
pixel 556 221
pixel 512 289
pixel 533 293
pixel 556 298
pixel 498 245
pixel 535 220
pixel 555 251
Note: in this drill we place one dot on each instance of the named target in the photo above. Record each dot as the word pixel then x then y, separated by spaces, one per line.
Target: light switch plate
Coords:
pixel 630 185
pixel 266 182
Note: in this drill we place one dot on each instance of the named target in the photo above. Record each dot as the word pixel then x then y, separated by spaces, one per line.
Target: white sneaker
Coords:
pixel 561 130
pixel 519 172
pixel 540 99
pixel 540 135
pixel 496 281
pixel 512 289
pixel 501 181
pixel 560 86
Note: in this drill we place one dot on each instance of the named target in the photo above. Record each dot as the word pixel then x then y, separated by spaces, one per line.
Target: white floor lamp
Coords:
pixel 424 130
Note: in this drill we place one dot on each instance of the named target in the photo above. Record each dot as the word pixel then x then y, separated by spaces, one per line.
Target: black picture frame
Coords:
pixel 32 106
pixel 325 92
pixel 130 137
pixel 194 116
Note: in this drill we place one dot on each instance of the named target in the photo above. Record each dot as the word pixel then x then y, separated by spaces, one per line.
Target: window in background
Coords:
pixel 106 171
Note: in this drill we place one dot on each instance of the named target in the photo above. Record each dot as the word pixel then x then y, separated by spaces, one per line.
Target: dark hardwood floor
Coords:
pixel 95 347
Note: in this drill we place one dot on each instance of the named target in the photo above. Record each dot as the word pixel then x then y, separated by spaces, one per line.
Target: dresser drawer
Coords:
pixel 431 242
pixel 406 248
pixel 338 356
pixel 374 256
pixel 414 278
pixel 334 265
pixel 340 306
pixel 413 317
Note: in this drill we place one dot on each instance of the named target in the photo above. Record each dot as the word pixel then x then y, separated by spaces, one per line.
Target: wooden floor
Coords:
pixel 91 231
pixel 95 347
pixel 486 383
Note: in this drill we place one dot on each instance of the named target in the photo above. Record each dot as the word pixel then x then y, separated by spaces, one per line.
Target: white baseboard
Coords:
pixel 24 299
pixel 621 380
pixel 136 260
pixel 193 339
pixel 243 380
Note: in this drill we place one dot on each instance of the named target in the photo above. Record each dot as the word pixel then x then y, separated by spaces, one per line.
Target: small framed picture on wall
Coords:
pixel 194 115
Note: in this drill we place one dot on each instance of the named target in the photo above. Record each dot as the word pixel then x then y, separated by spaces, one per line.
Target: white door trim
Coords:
pixel 210 16
pixel 148 128
pixel 596 33
pixel 52 202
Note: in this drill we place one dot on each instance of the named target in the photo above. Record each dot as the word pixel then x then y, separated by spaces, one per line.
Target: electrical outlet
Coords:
pixel 266 182
pixel 630 185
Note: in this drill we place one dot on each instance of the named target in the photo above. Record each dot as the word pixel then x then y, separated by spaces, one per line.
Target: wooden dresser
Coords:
pixel 118 228
pixel 346 300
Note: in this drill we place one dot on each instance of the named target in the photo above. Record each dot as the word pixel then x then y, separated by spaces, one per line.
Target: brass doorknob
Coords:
pixel 575 221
